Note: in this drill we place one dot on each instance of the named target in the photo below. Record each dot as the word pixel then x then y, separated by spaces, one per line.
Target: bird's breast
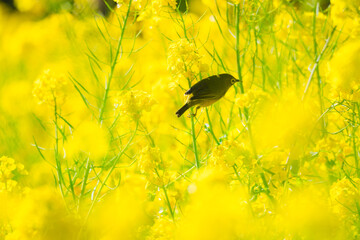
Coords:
pixel 207 102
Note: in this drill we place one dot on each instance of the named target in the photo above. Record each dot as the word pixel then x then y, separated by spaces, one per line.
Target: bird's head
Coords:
pixel 229 79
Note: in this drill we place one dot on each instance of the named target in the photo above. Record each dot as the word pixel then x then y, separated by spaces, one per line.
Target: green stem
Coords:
pixel 237 46
pixel 236 173
pixel 316 64
pixel 193 134
pixel 353 135
pixel 113 65
pixel 238 61
pixel 168 203
pixel 57 160
pixel 148 136
pixel 84 182
pixel 211 128
pixel 116 160
pixel 319 82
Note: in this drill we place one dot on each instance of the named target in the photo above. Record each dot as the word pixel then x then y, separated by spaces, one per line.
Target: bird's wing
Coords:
pixel 197 87
pixel 201 90
pixel 204 95
pixel 202 85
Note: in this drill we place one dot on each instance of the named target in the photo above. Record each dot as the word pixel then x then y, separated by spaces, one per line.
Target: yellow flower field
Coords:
pixel 91 148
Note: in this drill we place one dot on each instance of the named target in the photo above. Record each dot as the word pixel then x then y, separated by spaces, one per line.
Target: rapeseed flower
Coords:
pixel 344 71
pixel 49 88
pixel 133 103
pixel 184 60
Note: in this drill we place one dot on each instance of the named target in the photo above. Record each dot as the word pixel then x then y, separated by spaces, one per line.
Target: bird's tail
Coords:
pixel 182 110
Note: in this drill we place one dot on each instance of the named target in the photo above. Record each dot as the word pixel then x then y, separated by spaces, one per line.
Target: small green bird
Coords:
pixel 207 91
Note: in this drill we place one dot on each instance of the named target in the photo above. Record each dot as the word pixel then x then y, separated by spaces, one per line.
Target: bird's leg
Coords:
pixel 194 114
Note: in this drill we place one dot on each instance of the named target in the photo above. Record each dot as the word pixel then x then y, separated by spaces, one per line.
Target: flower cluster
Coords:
pixel 345 198
pixel 155 9
pixel 49 88
pixel 250 98
pixel 153 166
pixel 229 153
pixel 9 173
pixel 344 72
pixel 184 60
pixel 133 103
pixel 345 14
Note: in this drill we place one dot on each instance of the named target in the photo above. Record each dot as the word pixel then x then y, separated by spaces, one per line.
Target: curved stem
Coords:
pixel 113 64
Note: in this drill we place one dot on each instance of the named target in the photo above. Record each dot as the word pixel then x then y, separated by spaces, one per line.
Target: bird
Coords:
pixel 207 91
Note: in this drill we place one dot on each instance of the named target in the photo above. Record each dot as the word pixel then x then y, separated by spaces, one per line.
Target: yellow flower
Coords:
pixel 183 60
pixel 155 10
pixel 49 88
pixel 333 148
pixel 284 121
pixel 307 213
pixel 121 215
pixel 230 152
pixel 214 212
pixel 133 103
pixel 163 229
pixel 344 72
pixel 9 172
pixel 152 165
pixel 346 15
pixel 89 138
pixel 345 197
pixel 43 215
pixel 250 98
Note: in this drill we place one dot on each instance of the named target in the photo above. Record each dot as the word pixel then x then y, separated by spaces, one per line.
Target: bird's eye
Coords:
pixel 233 81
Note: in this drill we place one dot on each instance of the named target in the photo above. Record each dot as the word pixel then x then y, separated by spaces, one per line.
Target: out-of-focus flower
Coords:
pixel 133 103
pixel 230 152
pixel 345 14
pixel 250 98
pixel 285 122
pixel 49 88
pixel 121 215
pixel 184 61
pixel 154 10
pixel 43 215
pixel 214 212
pixel 345 200
pixel 14 98
pixel 153 166
pixel 9 173
pixel 345 197
pixel 307 213
pixel 333 148
pixel 162 229
pixel 275 162
pixel 89 138
pixel 344 72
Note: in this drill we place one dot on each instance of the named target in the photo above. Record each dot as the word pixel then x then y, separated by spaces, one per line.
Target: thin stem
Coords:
pixel 168 203
pixel 353 135
pixel 113 64
pixel 319 82
pixel 116 160
pixel 238 61
pixel 237 46
pixel 211 128
pixel 193 134
pixel 317 63
pixel 57 160
pixel 148 136
pixel 84 182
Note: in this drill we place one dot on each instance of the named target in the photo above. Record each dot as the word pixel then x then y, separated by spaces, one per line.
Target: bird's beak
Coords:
pixel 237 80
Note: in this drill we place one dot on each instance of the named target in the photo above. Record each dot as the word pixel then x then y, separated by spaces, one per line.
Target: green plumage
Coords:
pixel 207 91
